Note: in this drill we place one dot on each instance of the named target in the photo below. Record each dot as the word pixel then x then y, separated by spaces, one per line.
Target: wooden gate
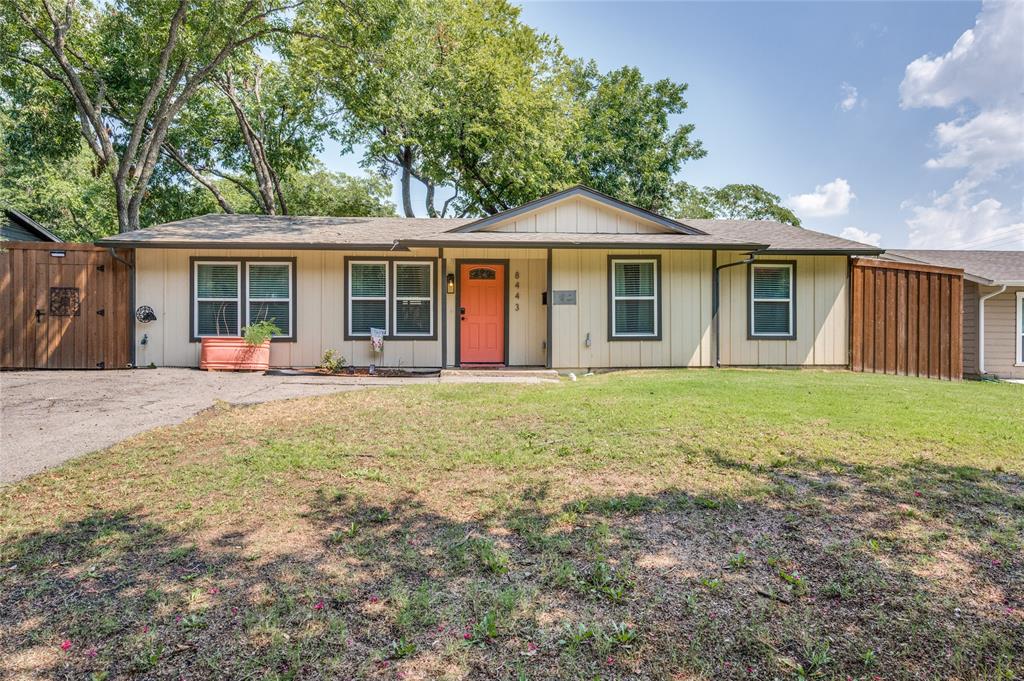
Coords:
pixel 907 319
pixel 64 306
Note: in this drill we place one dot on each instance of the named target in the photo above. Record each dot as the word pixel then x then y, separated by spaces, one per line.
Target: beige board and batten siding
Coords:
pixel 685 312
pixel 822 314
pixel 162 281
pixel 1000 331
pixel 527 315
pixel 578 216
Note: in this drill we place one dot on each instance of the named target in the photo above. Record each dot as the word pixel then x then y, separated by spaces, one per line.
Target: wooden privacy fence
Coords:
pixel 907 319
pixel 64 306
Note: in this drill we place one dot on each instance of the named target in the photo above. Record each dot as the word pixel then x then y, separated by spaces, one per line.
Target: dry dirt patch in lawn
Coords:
pixel 630 528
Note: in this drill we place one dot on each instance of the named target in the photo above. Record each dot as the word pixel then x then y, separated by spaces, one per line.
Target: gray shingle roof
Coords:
pixel 988 267
pixel 334 233
pixel 780 236
pixel 256 231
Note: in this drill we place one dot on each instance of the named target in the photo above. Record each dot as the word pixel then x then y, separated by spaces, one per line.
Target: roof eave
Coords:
pixel 580 245
pixel 824 251
pixel 251 245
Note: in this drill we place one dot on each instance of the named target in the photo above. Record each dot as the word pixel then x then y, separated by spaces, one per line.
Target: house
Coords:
pixel 574 280
pixel 993 305
pixel 16 226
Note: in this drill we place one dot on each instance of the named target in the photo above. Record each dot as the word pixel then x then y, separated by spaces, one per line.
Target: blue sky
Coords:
pixel 815 102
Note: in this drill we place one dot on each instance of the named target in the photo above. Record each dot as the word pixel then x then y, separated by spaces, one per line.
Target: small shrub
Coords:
pixel 332 362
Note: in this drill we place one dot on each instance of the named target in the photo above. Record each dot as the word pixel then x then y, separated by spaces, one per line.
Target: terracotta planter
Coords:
pixel 233 354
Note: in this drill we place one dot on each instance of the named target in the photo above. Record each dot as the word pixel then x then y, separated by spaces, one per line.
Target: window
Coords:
pixel 368 297
pixel 634 289
pixel 1020 328
pixel 772 299
pixel 394 294
pixel 228 294
pixel 414 298
pixel 269 291
pixel 217 309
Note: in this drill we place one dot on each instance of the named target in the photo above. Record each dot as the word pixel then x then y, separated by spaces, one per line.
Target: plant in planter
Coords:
pixel 250 352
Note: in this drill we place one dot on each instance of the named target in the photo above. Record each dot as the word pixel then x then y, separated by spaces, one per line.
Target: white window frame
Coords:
pixel 654 331
pixel 754 333
pixel 430 298
pixel 1020 328
pixel 386 297
pixel 196 299
pixel 249 300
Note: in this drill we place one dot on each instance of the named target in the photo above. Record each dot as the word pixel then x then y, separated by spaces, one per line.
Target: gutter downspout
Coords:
pixel 715 287
pixel 981 328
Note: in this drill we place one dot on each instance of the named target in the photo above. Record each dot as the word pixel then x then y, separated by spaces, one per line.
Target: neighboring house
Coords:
pixel 993 340
pixel 574 280
pixel 16 226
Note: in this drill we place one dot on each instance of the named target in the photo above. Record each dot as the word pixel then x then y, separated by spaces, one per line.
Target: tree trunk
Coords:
pixel 431 211
pixel 120 191
pixel 406 163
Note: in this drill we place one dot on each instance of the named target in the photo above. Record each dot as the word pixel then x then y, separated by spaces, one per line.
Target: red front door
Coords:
pixel 482 314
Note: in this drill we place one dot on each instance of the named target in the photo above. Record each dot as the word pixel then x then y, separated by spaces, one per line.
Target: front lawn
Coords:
pixel 670 525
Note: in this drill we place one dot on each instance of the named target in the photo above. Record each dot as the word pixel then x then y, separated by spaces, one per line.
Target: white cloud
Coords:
pixel 827 200
pixel 985 144
pixel 965 218
pixel 981 75
pixel 984 66
pixel 849 97
pixel 858 234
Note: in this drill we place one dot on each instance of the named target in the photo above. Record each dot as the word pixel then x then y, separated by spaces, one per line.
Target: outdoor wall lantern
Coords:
pixel 451 282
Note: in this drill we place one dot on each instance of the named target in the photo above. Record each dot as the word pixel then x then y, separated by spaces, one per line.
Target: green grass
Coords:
pixel 676 525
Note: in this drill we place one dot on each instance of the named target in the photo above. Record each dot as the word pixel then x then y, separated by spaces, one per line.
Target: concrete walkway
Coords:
pixel 49 417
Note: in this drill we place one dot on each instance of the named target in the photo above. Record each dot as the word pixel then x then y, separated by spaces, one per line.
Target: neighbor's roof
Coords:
pixel 984 267
pixel 15 225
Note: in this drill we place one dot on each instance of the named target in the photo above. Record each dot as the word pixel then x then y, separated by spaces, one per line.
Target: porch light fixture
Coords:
pixel 451 282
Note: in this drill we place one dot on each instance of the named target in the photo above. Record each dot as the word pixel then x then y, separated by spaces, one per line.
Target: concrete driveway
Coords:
pixel 49 417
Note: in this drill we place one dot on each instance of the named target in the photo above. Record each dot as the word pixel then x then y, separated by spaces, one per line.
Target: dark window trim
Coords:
pixel 658 306
pixel 459 264
pixel 243 292
pixel 750 301
pixel 389 260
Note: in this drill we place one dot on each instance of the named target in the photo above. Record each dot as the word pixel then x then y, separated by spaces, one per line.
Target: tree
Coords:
pixel 460 94
pixel 733 201
pixel 321 192
pixel 125 70
pixel 255 123
pixel 626 145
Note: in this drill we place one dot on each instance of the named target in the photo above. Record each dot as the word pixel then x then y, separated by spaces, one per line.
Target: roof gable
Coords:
pixel 578 209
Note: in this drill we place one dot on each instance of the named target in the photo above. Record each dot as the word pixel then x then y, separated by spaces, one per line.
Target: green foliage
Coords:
pixel 260 332
pixel 322 192
pixel 625 145
pixel 332 362
pixel 490 556
pixel 733 201
pixel 401 648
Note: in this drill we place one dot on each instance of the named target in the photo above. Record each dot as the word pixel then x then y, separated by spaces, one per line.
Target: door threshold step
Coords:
pixel 549 374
